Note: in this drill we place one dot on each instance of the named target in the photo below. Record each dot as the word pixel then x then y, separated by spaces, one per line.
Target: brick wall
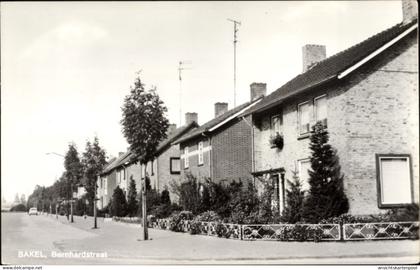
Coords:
pixel 164 175
pixel 232 153
pixel 373 111
pixel 199 171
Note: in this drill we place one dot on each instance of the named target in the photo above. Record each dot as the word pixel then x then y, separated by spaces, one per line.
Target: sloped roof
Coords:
pixel 215 121
pixel 128 157
pixel 108 167
pixel 330 67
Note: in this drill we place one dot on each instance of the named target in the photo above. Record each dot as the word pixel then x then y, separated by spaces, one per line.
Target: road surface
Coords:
pixel 45 240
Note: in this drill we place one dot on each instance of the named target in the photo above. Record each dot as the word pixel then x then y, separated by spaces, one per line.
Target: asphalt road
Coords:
pixel 40 239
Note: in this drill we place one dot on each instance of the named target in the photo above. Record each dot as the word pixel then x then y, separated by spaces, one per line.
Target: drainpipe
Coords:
pixel 211 156
pixel 252 146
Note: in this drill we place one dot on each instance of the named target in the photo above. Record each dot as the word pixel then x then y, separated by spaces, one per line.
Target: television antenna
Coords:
pixel 235 40
pixel 181 66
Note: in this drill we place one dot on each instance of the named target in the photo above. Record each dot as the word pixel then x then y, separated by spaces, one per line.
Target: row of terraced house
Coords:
pixel 366 96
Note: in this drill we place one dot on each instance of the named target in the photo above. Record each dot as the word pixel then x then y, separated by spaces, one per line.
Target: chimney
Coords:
pixel 120 154
pixel 409 10
pixel 312 54
pixel 191 117
pixel 171 129
pixel 220 108
pixel 258 90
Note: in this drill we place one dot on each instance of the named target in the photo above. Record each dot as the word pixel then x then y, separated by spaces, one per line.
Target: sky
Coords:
pixel 66 67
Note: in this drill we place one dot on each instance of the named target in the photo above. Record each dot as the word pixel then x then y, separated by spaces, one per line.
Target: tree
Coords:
pixel 23 199
pixel 326 196
pixel 93 161
pixel 292 213
pixel 132 204
pixel 144 126
pixel 74 170
pixel 118 203
pixel 17 200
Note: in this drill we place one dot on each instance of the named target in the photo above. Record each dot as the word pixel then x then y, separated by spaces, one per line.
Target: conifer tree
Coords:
pixel 132 203
pixel 326 197
pixel 292 213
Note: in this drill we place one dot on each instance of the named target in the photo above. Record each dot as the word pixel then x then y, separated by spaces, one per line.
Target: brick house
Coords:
pixel 367 96
pixel 220 149
pixel 166 166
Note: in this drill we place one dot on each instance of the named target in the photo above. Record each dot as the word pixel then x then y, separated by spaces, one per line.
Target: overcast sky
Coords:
pixel 66 67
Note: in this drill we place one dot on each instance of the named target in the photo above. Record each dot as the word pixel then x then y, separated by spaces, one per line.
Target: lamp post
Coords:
pixel 95 223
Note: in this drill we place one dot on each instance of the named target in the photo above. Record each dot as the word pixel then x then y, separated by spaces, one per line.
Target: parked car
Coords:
pixel 33 211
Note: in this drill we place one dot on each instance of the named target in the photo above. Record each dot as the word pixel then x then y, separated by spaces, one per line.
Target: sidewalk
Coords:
pixel 121 241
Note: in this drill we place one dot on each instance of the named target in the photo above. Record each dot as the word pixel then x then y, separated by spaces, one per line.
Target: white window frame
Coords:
pixel 186 158
pixel 324 121
pixel 272 127
pixel 299 118
pixel 379 158
pixel 200 153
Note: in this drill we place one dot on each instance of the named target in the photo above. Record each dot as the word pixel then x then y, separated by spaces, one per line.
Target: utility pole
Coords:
pixel 235 40
pixel 181 67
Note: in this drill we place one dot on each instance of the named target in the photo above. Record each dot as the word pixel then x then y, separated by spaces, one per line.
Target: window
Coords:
pixel 394 180
pixel 153 172
pixel 186 160
pixel 124 174
pixel 304 118
pixel 320 104
pixel 175 165
pixel 276 123
pixel 304 165
pixel 200 153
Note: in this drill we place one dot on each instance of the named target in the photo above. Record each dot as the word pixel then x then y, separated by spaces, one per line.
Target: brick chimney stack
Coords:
pixel 220 108
pixel 120 154
pixel 191 117
pixel 258 90
pixel 409 10
pixel 312 54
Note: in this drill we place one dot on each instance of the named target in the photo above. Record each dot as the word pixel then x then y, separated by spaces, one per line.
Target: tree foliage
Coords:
pixel 292 213
pixel 144 122
pixel 326 196
pixel 132 203
pixel 93 161
pixel 74 169
pixel 118 203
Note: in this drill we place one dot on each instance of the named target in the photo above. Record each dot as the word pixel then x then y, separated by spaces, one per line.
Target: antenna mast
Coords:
pixel 180 69
pixel 235 40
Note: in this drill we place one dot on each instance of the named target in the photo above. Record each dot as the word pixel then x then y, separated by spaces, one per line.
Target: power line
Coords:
pixel 235 40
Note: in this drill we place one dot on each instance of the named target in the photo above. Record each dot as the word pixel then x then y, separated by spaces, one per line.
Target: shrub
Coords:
pixel 221 230
pixel 189 197
pixel 277 141
pixel 292 213
pixel 208 216
pixel 118 203
pixel 132 203
pixel 176 220
pixel 408 213
pixel 18 208
pixel 244 206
